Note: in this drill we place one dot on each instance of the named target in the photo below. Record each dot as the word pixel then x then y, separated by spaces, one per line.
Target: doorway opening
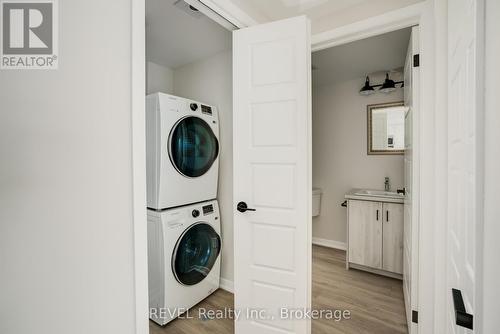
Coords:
pixel 362 152
pixel 189 56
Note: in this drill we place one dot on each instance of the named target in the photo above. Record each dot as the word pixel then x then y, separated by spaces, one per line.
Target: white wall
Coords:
pixel 340 160
pixel 159 79
pixel 211 81
pixel 66 233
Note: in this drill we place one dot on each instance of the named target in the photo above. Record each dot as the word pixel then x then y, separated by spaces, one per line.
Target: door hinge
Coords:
pixel 463 318
pixel 414 316
pixel 416 60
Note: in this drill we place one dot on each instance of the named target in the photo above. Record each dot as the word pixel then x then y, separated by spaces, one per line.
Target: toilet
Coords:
pixel 316 201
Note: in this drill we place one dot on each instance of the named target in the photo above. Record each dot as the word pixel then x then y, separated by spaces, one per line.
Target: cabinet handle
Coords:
pixel 377 215
pixel 387 215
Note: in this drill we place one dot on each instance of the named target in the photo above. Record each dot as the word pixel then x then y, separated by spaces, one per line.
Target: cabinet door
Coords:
pixel 365 233
pixel 392 243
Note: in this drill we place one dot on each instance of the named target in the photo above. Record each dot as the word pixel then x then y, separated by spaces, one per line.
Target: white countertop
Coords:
pixel 374 195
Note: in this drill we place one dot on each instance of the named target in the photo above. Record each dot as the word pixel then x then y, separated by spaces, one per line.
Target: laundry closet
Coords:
pixel 189 156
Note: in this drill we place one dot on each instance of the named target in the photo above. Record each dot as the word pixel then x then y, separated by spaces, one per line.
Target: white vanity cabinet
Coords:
pixel 375 234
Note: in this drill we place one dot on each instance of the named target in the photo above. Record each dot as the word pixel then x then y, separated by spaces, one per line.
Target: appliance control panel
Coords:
pixel 206 109
pixel 208 209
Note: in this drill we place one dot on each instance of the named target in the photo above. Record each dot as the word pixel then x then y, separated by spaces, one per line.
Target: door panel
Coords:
pixel 365 233
pixel 392 243
pixel 464 150
pixel 411 180
pixel 272 173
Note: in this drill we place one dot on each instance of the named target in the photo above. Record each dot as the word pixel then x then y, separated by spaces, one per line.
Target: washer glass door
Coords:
pixel 195 253
pixel 193 146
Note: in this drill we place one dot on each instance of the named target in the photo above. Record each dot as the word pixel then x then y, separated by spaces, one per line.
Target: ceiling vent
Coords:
pixel 198 9
pixel 189 9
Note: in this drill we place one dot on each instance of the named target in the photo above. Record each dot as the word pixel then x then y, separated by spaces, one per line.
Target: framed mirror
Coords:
pixel 386 128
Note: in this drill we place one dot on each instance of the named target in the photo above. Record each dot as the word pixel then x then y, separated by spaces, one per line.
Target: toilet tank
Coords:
pixel 316 201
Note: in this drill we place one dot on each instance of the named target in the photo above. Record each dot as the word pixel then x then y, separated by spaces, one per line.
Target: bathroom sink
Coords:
pixel 379 193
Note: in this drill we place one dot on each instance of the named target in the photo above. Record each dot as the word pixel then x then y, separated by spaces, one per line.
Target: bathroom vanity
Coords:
pixel 375 231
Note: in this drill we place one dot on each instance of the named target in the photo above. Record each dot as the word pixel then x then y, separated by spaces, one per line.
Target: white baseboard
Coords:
pixel 227 285
pixel 329 243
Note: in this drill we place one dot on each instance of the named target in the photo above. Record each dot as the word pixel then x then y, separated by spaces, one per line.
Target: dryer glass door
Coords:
pixel 193 147
pixel 195 253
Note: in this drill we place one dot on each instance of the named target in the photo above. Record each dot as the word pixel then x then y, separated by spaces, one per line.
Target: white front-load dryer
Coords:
pixel 182 151
pixel 184 246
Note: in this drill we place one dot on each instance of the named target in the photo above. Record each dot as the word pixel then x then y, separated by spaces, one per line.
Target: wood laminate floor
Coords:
pixel 375 302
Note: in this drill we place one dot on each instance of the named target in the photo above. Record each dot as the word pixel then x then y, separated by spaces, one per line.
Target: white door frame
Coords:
pixel 377 25
pixel 137 90
pixel 421 14
pixel 488 320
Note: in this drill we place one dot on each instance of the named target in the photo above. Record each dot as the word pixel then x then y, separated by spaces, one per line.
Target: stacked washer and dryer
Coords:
pixel 184 234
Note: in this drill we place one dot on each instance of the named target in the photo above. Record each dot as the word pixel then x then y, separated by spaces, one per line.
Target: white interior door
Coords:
pixel 410 232
pixel 272 174
pixel 464 176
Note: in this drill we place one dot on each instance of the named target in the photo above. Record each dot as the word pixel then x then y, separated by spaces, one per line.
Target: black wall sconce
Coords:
pixel 388 86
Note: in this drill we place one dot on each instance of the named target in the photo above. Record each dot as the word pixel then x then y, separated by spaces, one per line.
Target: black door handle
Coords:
pixel 462 318
pixel 243 207
pixel 401 191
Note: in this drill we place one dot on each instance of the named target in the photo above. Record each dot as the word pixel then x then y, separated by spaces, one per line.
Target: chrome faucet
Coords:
pixel 387 185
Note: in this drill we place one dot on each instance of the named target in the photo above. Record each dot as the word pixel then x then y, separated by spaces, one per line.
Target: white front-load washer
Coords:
pixel 182 151
pixel 184 246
